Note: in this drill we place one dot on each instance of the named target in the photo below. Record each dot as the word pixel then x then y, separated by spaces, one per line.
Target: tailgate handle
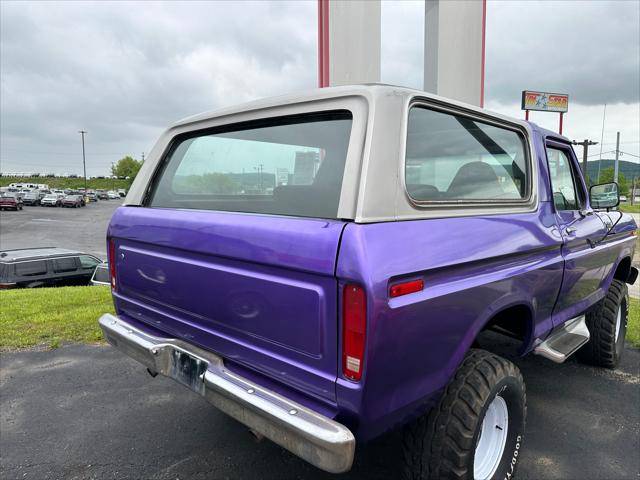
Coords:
pixel 160 280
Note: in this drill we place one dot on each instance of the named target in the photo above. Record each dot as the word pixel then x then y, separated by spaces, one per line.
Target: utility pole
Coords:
pixel 259 168
pixel 615 165
pixel 84 163
pixel 142 157
pixel 585 148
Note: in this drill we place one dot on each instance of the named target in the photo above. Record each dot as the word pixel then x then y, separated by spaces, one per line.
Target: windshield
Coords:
pixel 287 166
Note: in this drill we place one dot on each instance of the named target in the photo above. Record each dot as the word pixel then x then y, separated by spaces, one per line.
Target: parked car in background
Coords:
pixel 102 195
pixel 73 201
pixel 52 200
pixel 412 229
pixel 101 275
pixel 92 197
pixel 58 192
pixel 112 195
pixel 122 192
pixel 10 201
pixel 45 267
pixel 31 198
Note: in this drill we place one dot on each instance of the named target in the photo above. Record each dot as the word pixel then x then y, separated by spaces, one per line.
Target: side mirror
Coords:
pixel 604 195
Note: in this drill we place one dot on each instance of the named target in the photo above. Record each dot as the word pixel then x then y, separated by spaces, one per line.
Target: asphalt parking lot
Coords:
pixel 89 412
pixel 83 229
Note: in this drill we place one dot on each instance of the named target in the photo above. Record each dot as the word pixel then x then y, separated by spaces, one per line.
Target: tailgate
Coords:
pixel 258 290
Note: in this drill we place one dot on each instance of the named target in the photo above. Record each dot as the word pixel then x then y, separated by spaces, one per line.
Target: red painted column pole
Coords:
pixel 323 43
pixel 484 35
pixel 561 116
pixel 526 115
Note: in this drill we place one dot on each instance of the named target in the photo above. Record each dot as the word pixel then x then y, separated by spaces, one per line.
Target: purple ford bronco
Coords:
pixel 321 266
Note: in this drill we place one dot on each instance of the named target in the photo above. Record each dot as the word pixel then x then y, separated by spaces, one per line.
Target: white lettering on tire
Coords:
pixel 514 459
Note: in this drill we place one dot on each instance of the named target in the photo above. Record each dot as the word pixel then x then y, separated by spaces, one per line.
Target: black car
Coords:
pixel 45 267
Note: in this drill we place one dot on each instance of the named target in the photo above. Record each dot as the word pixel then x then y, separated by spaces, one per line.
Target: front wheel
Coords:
pixel 476 429
pixel 607 324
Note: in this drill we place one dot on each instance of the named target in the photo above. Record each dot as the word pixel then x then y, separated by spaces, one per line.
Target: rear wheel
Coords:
pixel 476 429
pixel 607 325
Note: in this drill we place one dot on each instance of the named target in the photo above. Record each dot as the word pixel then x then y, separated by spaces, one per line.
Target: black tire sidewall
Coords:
pixel 624 311
pixel 512 392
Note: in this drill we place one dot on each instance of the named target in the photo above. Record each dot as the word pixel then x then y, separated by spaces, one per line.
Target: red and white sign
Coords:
pixel 545 102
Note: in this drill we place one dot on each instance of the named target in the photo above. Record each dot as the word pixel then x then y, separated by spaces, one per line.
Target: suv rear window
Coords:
pixel 454 158
pixel 286 166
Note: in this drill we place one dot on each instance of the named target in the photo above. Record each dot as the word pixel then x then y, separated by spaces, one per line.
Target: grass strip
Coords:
pixel 47 317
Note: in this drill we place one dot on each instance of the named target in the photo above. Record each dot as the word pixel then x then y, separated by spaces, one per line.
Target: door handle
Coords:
pixel 570 230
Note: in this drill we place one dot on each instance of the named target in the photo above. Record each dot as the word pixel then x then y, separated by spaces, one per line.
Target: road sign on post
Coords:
pixel 545 102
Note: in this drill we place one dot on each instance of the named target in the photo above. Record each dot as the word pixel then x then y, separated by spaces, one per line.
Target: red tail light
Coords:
pixel 112 262
pixel 354 318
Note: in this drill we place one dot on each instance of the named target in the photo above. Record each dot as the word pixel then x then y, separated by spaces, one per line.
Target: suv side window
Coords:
pixel 67 264
pixel 31 269
pixel 566 193
pixel 87 261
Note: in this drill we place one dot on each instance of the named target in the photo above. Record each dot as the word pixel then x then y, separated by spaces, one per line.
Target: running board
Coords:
pixel 565 341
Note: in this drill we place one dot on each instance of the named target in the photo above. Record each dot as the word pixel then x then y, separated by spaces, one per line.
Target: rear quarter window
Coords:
pixel 455 158
pixel 285 166
pixel 87 261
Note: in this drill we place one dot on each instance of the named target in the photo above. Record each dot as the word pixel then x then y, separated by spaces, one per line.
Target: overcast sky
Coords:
pixel 124 71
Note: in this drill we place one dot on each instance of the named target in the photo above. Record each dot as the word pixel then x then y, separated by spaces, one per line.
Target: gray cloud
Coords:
pixel 590 50
pixel 124 71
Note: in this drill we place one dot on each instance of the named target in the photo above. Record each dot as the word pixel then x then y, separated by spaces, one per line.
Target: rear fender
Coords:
pixel 512 299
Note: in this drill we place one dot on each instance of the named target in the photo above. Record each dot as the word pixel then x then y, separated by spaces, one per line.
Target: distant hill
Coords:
pixel 627 168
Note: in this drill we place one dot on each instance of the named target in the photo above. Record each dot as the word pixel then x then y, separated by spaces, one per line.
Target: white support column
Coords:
pixel 354 41
pixel 454 44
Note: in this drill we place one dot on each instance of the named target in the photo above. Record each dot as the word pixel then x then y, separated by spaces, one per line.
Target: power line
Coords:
pixel 600 154
pixel 31 152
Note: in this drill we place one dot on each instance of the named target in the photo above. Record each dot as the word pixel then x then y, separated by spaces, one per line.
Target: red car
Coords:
pixel 10 200
pixel 72 201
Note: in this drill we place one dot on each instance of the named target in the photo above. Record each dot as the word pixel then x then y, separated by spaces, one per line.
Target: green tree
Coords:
pixel 606 176
pixel 126 167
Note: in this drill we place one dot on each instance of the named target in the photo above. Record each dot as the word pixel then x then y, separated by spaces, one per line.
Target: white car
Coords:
pixel 113 195
pixel 51 200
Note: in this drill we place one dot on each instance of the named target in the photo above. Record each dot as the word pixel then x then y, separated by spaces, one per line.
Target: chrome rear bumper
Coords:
pixel 315 438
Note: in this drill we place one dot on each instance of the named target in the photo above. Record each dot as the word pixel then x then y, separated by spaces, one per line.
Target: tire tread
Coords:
pixel 434 445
